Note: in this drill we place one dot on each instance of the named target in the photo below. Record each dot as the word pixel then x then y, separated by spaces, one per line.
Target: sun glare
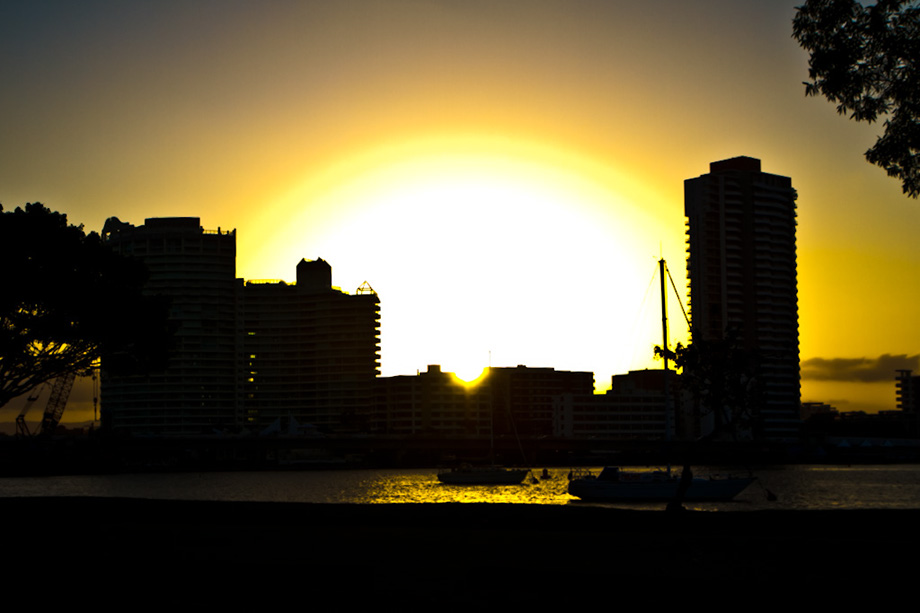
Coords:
pixel 483 251
pixel 471 379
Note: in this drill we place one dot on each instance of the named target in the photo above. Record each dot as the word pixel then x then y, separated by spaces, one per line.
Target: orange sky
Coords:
pixel 504 174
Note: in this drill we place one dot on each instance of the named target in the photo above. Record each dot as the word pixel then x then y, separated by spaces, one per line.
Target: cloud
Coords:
pixel 862 370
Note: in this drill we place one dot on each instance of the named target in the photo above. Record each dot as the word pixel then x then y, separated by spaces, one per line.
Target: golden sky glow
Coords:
pixel 478 247
pixel 504 174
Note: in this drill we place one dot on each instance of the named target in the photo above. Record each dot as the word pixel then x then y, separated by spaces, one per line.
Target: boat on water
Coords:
pixel 614 484
pixel 482 475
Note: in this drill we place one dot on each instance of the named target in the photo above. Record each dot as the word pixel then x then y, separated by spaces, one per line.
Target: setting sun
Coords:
pixel 483 250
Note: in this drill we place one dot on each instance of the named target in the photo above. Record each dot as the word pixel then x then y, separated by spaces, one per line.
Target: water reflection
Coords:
pixel 797 488
pixel 423 486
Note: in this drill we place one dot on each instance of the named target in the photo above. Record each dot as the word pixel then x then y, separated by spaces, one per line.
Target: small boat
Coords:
pixel 613 484
pixel 482 475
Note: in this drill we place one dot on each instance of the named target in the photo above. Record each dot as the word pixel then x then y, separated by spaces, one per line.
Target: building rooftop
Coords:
pixel 742 162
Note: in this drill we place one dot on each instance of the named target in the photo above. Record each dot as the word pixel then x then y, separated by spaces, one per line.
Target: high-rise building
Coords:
pixel 311 351
pixel 522 397
pixel 741 267
pixel 245 355
pixel 433 403
pixel 632 409
pixel 503 402
pixel 196 269
pixel 908 392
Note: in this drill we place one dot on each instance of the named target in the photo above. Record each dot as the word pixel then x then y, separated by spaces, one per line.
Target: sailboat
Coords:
pixel 615 484
pixel 482 475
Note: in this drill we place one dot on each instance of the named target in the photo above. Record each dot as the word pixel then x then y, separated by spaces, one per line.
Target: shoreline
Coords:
pixel 482 544
pixel 112 455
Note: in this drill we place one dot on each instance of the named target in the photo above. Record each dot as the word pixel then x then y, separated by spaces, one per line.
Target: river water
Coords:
pixel 795 488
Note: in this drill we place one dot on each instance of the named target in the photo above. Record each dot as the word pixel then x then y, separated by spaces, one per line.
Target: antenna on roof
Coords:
pixel 365 288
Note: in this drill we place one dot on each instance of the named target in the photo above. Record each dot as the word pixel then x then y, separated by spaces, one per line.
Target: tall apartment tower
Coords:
pixel 312 351
pixel 196 269
pixel 245 355
pixel 908 391
pixel 742 271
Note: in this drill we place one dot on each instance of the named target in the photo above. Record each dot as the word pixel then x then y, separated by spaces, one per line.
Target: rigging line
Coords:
pixel 674 285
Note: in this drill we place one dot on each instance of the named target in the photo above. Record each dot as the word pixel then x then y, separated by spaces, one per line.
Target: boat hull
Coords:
pixel 483 476
pixel 700 490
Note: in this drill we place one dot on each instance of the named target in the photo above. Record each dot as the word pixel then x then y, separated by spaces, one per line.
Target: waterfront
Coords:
pixel 326 528
pixel 802 487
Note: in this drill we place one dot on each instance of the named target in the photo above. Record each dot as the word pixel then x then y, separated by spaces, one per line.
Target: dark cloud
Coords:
pixel 863 370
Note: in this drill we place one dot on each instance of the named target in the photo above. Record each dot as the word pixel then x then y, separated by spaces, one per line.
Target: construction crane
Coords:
pixel 22 429
pixel 60 392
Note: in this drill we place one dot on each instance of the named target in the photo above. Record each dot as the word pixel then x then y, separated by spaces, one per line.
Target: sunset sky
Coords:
pixel 505 174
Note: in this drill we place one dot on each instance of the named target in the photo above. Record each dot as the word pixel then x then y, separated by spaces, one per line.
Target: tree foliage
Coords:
pixel 865 59
pixel 67 301
pixel 722 377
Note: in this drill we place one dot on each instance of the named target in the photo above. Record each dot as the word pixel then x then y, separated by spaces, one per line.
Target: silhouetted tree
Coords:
pixel 68 300
pixel 722 377
pixel 867 61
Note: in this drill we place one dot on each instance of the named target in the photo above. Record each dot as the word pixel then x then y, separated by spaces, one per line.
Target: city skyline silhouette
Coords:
pixel 506 176
pixel 484 167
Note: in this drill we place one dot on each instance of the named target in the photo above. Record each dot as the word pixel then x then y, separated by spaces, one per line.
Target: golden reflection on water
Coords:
pixel 795 488
pixel 423 486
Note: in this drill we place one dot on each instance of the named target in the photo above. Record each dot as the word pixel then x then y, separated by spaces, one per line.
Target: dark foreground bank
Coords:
pixel 471 550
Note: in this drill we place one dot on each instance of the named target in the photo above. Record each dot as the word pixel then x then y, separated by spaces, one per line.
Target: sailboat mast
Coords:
pixel 664 315
pixel 664 331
